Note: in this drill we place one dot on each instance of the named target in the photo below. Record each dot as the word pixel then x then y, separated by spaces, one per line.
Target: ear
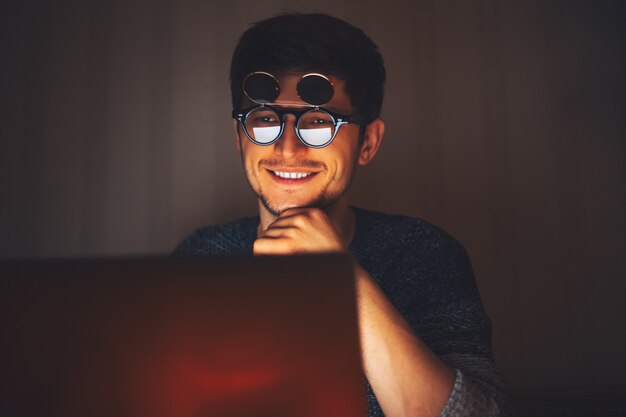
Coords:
pixel 237 135
pixel 372 139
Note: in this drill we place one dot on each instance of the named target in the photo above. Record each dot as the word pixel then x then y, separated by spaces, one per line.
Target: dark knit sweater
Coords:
pixel 427 276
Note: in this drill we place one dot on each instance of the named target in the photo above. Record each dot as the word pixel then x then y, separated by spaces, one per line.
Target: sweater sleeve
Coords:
pixel 466 399
pixel 456 327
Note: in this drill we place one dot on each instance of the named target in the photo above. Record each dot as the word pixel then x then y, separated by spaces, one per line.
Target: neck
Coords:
pixel 340 215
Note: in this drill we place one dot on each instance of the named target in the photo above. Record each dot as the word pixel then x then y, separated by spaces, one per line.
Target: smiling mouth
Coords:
pixel 291 175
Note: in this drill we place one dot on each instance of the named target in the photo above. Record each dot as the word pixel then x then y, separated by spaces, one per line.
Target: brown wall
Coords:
pixel 505 126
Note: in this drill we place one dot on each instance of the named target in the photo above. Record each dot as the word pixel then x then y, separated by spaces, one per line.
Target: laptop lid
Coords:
pixel 223 336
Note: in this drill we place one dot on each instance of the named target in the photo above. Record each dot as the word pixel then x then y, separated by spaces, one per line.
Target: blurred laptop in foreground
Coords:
pixel 231 336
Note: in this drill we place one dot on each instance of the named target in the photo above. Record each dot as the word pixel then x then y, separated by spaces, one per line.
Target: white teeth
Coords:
pixel 292 175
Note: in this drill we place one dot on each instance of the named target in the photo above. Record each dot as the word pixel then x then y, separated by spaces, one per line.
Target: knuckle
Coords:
pixel 316 213
pixel 300 220
pixel 288 245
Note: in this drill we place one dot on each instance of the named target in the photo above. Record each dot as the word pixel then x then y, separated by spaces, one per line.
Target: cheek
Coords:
pixel 248 158
pixel 250 151
pixel 340 164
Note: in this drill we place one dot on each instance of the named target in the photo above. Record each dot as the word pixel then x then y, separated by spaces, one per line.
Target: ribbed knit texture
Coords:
pixel 427 276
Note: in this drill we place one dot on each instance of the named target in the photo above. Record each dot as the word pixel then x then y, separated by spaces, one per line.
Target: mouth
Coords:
pixel 291 177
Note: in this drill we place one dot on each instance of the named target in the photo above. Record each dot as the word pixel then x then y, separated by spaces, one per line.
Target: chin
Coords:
pixel 321 202
pixel 277 209
pixel 281 202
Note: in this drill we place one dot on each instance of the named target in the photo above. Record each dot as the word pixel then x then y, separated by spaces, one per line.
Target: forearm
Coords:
pixel 407 378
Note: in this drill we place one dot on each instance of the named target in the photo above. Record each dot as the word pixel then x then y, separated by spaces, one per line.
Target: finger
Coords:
pixel 273 246
pixel 279 231
pixel 294 210
pixel 302 217
pixel 299 221
pixel 294 220
pixel 309 212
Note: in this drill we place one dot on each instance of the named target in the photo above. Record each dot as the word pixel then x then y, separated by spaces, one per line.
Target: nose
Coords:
pixel 289 145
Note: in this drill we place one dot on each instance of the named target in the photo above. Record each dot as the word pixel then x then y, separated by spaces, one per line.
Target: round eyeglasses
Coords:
pixel 315 127
pixel 264 124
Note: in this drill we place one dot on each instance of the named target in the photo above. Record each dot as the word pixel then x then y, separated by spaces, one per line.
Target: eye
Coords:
pixel 321 122
pixel 263 119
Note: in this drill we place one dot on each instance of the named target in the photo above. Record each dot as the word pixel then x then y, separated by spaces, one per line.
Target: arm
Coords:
pixel 436 363
pixel 407 378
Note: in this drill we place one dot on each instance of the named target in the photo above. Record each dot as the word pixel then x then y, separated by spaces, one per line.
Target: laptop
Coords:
pixel 165 337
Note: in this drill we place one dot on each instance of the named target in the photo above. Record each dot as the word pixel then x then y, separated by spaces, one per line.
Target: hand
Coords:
pixel 299 230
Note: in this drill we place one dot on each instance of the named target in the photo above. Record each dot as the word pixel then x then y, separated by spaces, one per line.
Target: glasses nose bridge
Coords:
pixel 289 119
pixel 289 141
pixel 283 114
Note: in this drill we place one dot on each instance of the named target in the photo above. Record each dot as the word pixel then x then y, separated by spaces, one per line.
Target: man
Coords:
pixel 307 91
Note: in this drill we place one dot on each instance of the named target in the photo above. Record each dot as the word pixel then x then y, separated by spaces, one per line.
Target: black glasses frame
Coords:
pixel 337 118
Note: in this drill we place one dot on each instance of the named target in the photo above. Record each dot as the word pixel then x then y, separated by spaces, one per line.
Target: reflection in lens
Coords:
pixel 265 134
pixel 263 125
pixel 316 137
pixel 316 127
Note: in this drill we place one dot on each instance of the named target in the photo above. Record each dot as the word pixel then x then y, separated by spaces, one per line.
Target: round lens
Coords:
pixel 316 128
pixel 261 87
pixel 263 125
pixel 315 89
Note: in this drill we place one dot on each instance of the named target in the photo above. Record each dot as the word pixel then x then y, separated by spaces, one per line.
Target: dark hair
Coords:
pixel 317 42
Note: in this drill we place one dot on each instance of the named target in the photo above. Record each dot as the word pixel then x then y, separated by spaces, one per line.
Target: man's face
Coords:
pixel 322 175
